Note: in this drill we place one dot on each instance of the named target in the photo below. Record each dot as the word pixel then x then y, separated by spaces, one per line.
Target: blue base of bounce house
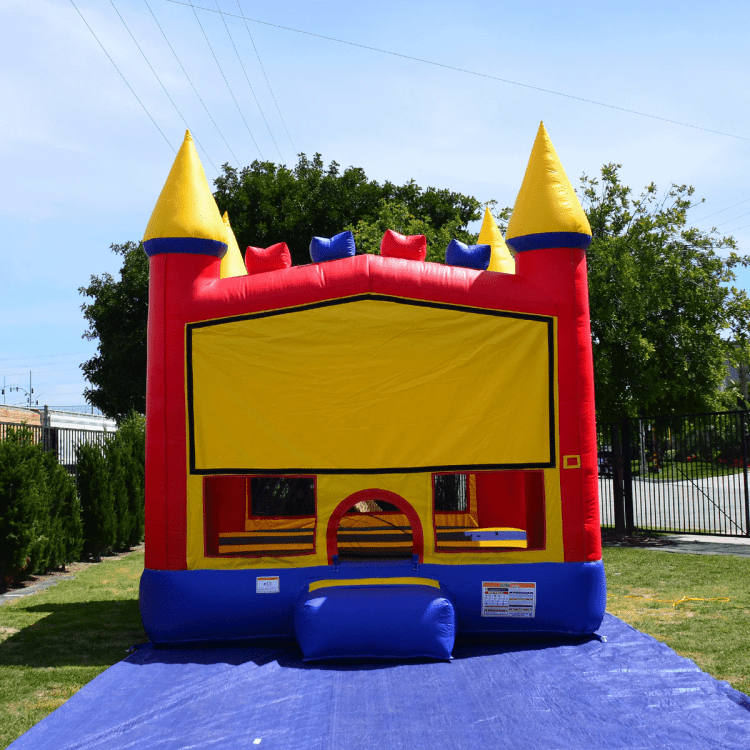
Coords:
pixel 618 690
pixel 204 606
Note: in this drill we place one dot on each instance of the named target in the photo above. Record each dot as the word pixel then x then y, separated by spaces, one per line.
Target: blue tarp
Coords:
pixel 628 691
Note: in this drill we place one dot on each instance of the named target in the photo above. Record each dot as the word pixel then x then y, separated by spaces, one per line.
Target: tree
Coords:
pixel 268 203
pixel 117 319
pixel 396 215
pixel 661 301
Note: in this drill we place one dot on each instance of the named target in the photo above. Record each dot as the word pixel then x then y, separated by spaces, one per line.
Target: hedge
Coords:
pixel 47 522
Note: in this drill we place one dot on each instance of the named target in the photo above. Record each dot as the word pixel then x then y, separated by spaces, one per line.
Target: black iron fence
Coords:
pixel 63 441
pixel 686 473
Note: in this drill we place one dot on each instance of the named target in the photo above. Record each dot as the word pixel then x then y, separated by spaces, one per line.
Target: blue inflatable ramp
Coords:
pixel 629 691
pixel 380 618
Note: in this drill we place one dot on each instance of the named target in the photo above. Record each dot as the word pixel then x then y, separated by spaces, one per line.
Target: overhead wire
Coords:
pixel 192 84
pixel 122 76
pixel 735 219
pixel 268 83
pixel 223 76
pixel 734 205
pixel 112 2
pixel 247 78
pixel 468 72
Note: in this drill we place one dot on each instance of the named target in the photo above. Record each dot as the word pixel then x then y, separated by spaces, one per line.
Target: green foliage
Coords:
pixel 660 300
pixel 40 521
pixel 21 503
pixel 397 216
pixel 117 471
pixel 127 447
pixel 117 319
pixel 65 509
pixel 268 203
pixel 97 501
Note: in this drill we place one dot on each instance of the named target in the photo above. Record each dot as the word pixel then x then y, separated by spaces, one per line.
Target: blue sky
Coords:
pixel 83 164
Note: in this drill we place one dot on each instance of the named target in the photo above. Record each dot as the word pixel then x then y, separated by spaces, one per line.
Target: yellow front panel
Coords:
pixel 367 385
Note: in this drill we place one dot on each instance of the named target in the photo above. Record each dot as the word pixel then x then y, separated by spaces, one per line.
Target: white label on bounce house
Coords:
pixel 267 585
pixel 503 599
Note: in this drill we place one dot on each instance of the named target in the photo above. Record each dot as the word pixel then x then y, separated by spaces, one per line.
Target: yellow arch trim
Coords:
pixel 546 201
pixel 406 581
pixel 186 207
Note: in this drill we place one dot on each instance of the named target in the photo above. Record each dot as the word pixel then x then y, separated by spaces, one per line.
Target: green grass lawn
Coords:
pixel 678 470
pixel 54 642
pixel 697 604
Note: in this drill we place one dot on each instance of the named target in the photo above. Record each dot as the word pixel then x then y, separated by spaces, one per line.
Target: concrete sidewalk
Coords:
pixel 692 544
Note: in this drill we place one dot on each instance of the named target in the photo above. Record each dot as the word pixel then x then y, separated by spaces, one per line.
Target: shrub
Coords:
pixel 132 438
pixel 21 502
pixel 97 501
pixel 40 516
pixel 65 507
pixel 116 469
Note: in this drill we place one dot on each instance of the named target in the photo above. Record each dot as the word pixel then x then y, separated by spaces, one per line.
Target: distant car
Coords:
pixel 605 460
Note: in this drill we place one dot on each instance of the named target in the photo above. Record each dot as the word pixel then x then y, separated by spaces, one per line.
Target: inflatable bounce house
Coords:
pixel 370 453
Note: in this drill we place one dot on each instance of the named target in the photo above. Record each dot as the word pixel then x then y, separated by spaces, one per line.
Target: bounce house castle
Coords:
pixel 370 453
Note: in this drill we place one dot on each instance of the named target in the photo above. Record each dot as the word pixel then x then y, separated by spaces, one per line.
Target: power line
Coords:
pixel 723 209
pixel 112 2
pixel 469 72
pixel 192 84
pixel 224 77
pixel 257 54
pixel 239 59
pixel 735 218
pixel 123 77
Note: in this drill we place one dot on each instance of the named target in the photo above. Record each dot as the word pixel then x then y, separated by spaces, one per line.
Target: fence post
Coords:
pixel 627 477
pixel 743 427
pixel 617 480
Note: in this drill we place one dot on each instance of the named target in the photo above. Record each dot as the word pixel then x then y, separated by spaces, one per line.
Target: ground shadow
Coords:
pixel 74 634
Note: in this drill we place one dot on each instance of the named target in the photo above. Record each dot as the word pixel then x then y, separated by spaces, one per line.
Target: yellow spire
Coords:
pixel 232 263
pixel 186 207
pixel 500 258
pixel 547 211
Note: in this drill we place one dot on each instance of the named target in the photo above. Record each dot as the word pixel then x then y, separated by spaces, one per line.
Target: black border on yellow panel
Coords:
pixel 549 321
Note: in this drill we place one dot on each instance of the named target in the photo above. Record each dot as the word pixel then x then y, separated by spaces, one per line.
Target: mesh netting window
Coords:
pixel 450 493
pixel 282 496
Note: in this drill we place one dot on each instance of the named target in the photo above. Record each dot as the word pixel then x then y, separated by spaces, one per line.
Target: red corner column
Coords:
pixel 185 241
pixel 550 233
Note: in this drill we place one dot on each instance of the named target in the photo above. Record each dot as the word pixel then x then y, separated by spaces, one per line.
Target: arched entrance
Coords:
pixel 372 532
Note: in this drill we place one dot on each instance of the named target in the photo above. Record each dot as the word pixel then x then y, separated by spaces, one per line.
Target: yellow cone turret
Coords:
pixel 547 212
pixel 186 210
pixel 500 258
pixel 232 263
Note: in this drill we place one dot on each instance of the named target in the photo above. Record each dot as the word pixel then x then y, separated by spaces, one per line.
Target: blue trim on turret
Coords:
pixel 189 245
pixel 544 240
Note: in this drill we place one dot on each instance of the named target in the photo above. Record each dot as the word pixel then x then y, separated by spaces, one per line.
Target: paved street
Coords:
pixel 710 504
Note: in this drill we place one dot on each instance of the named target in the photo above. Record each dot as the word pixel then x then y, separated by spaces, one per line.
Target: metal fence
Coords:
pixel 686 473
pixel 63 441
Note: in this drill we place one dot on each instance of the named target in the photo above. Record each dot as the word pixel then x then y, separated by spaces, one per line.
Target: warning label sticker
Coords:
pixel 267 585
pixel 506 599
